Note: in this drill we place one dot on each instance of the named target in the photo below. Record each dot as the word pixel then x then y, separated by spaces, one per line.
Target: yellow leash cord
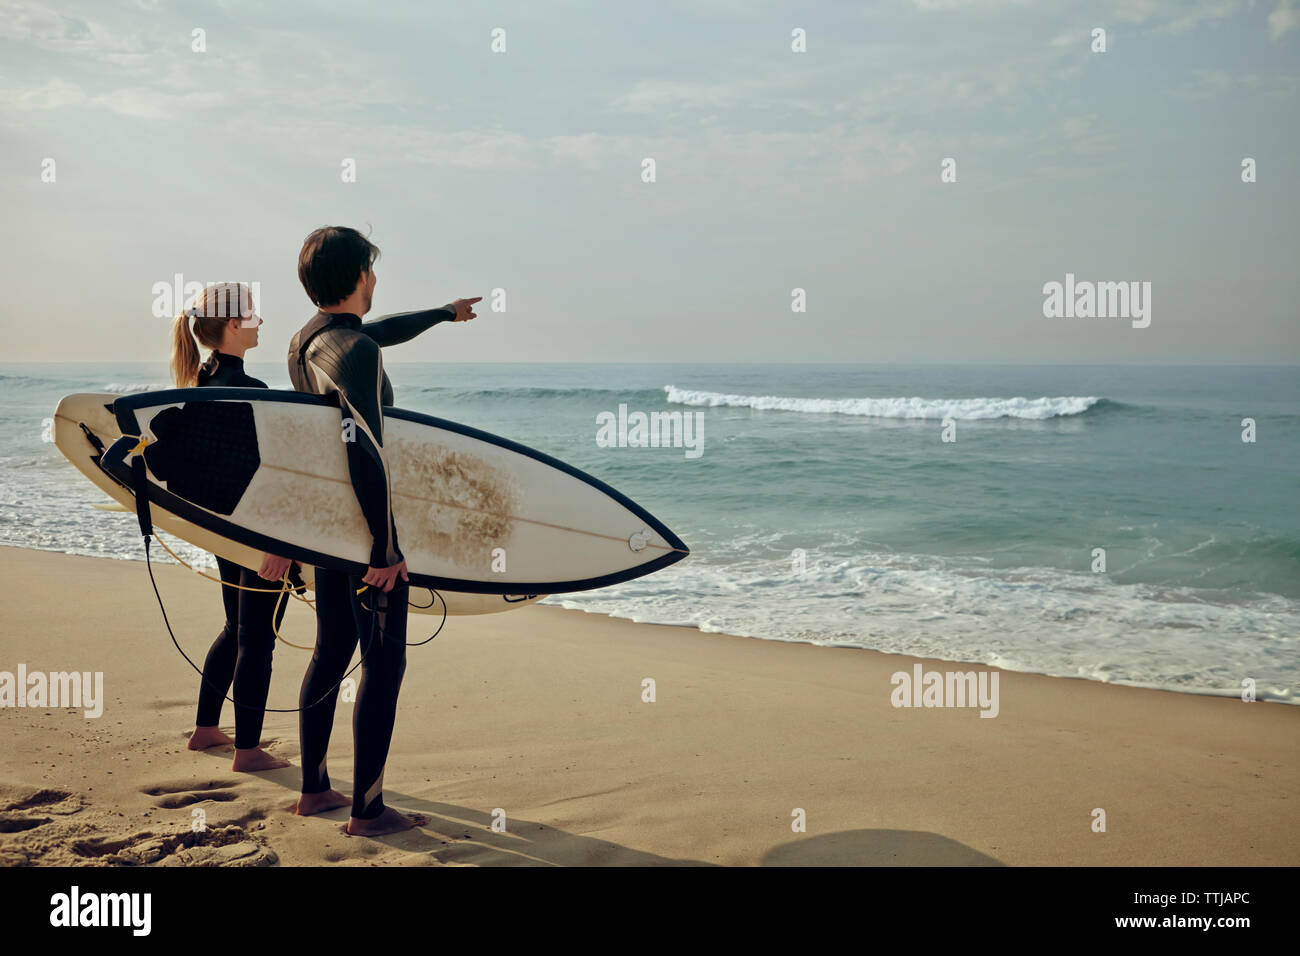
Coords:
pixel 285 589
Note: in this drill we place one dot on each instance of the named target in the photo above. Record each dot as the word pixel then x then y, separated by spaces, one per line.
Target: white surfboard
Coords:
pixel 94 411
pixel 490 524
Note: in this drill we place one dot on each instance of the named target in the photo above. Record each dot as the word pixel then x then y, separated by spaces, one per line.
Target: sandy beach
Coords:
pixel 538 715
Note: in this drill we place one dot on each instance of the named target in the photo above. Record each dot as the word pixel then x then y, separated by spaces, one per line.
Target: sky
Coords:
pixel 517 174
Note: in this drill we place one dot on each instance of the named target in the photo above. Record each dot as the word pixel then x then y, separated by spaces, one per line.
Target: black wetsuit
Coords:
pixel 242 651
pixel 338 356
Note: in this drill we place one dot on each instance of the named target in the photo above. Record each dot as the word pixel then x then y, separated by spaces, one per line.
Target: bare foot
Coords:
pixel 309 803
pixel 205 737
pixel 254 759
pixel 390 821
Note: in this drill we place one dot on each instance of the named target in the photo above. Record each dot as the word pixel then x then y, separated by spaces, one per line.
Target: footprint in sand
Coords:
pixel 460 855
pixel 17 802
pixel 182 793
pixel 214 846
pixel 44 830
pixel 13 823
pixel 49 800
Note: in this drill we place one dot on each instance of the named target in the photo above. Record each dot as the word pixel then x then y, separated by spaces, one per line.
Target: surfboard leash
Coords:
pixel 432 594
pixel 287 587
pixel 145 520
pixel 146 531
pixel 206 683
pixel 374 624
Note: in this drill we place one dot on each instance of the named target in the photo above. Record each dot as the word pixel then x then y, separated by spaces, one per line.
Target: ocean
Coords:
pixel 823 505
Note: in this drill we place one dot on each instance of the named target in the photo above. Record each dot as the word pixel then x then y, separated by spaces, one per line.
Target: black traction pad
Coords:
pixel 206 452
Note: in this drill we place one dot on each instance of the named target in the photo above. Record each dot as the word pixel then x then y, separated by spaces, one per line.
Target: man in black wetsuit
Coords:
pixel 337 355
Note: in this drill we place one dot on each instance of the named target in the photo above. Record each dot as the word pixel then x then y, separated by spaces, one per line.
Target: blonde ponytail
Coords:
pixel 212 308
pixel 185 353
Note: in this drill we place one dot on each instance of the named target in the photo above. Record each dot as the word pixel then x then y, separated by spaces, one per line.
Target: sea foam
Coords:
pixel 968 409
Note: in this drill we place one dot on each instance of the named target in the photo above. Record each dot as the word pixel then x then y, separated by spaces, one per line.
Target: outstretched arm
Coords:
pixel 403 326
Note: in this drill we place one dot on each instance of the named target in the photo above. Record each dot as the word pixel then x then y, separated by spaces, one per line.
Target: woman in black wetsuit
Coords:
pixel 225 322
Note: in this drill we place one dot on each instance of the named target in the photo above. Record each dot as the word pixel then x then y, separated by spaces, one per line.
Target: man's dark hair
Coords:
pixel 331 263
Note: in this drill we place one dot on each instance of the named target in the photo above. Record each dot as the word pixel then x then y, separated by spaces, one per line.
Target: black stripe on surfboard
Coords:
pixel 125 409
pixel 114 462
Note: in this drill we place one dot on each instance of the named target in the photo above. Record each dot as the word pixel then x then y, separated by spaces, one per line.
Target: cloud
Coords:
pixel 37 25
pixel 653 96
pixel 1207 84
pixel 1161 16
pixel 145 103
pixel 51 95
pixel 1283 19
pixel 1078 125
pixel 967 4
